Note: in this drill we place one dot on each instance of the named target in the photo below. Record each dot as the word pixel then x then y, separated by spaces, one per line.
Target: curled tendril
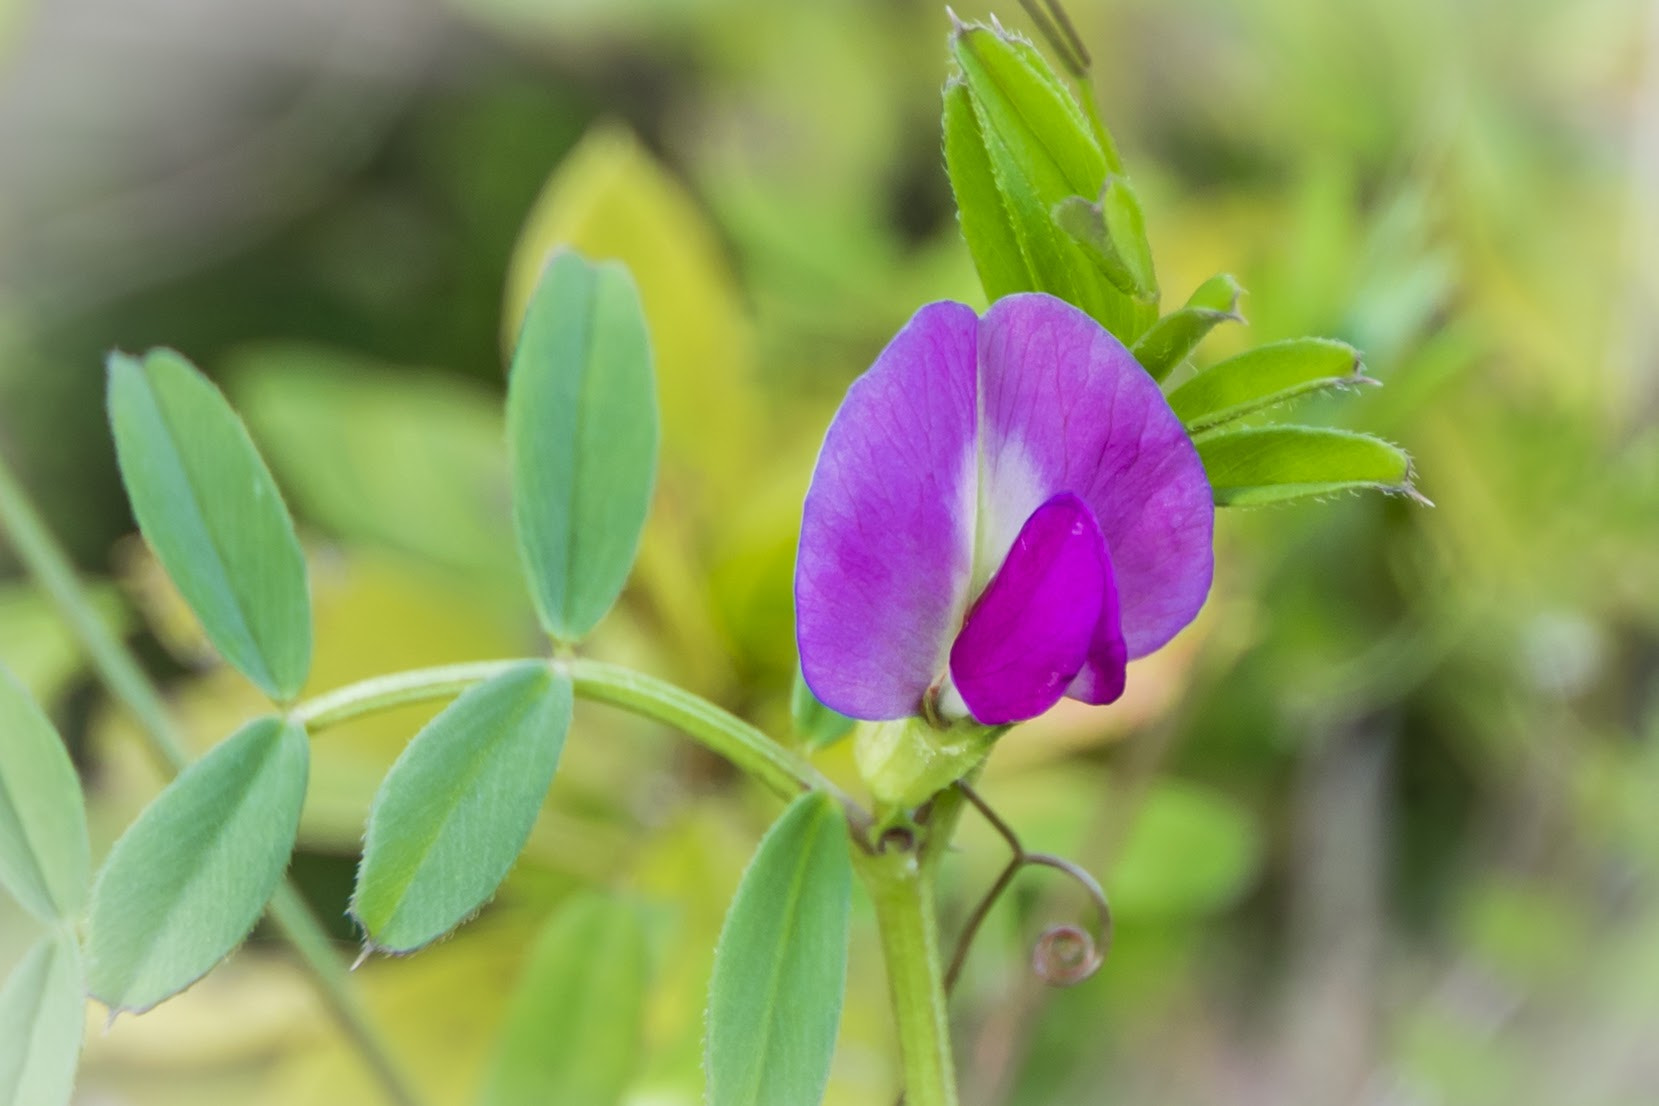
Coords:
pixel 1070 951
pixel 1064 955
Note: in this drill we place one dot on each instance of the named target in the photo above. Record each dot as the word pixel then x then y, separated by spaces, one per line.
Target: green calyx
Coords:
pixel 907 762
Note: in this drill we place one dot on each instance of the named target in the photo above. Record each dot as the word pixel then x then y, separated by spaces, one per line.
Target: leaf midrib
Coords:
pixel 775 982
pixel 142 963
pixel 220 563
pixel 507 729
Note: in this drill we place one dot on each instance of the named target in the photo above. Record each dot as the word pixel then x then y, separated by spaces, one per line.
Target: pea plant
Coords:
pixel 1008 507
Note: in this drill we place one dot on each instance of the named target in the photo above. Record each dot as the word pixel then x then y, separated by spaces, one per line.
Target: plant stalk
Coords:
pixel 46 562
pixel 900 883
pixel 774 765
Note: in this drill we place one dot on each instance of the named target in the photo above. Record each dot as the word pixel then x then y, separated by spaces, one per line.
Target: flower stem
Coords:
pixel 46 562
pixel 900 883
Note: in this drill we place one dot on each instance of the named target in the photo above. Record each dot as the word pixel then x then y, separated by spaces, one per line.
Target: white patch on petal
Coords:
pixel 1010 489
pixel 966 590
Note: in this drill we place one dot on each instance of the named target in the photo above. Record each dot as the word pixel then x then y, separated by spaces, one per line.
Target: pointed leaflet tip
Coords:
pixel 362 956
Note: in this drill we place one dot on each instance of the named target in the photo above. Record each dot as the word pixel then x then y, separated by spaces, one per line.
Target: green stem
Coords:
pixel 422 685
pixel 46 562
pixel 720 731
pixel 900 882
pixel 772 764
pixel 40 555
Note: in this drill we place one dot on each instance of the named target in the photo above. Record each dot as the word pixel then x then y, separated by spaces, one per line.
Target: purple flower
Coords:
pixel 1005 511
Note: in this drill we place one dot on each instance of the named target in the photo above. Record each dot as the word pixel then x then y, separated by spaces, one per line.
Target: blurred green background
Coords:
pixel 1382 828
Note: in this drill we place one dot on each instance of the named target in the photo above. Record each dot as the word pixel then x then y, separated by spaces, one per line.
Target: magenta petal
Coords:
pixel 881 578
pixel 1102 677
pixel 1067 408
pixel 1031 630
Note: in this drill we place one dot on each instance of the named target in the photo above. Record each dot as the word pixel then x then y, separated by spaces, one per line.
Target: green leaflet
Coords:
pixel 45 859
pixel 1023 102
pixel 780 968
pixel 1017 146
pixel 207 505
pixel 1279 464
pixel 42 1015
pixel 980 210
pixel 582 432
pixel 455 810
pixel 186 882
pixel 1172 338
pixel 574 1027
pixel 1264 377
pixel 815 723
pixel 1112 235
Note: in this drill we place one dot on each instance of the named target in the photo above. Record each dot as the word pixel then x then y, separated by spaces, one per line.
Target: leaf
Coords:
pixel 1112 235
pixel 817 724
pixel 186 882
pixel 1172 338
pixel 1264 377
pixel 1279 464
pixel 1190 852
pixel 207 505
pixel 780 968
pixel 1025 105
pixel 45 859
pixel 455 810
pixel 1041 151
pixel 582 433
pixel 1126 223
pixel 981 212
pixel 42 1019
pixel 574 1027
pixel 611 199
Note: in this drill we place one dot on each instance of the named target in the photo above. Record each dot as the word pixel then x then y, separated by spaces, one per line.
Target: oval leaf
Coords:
pixel 574 1028
pixel 45 860
pixel 42 1019
pixel 186 882
pixel 207 505
pixel 1264 377
pixel 1172 338
pixel 780 968
pixel 582 431
pixel 816 724
pixel 610 199
pixel 455 810
pixel 1278 464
